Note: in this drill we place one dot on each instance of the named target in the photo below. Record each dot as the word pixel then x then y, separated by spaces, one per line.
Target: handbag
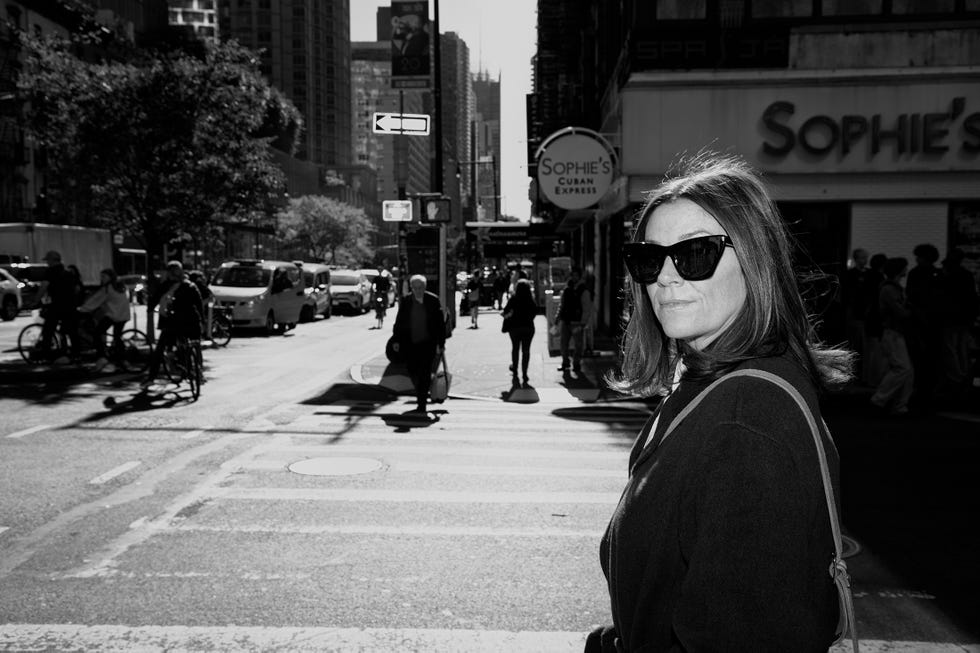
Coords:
pixel 393 356
pixel 441 380
pixel 838 567
pixel 506 324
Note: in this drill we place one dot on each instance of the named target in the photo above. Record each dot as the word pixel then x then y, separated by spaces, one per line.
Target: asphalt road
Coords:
pixel 291 508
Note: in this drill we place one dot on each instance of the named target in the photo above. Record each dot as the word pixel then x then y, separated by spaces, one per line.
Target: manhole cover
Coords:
pixel 335 466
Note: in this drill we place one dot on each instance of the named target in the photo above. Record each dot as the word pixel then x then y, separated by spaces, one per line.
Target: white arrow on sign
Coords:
pixel 416 124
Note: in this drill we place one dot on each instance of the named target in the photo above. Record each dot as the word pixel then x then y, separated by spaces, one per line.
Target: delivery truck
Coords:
pixel 88 248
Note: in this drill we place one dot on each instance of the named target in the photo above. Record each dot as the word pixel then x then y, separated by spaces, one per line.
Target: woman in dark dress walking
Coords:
pixel 519 312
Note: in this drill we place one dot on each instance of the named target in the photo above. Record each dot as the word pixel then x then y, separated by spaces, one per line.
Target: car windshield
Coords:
pixel 341 279
pixel 242 277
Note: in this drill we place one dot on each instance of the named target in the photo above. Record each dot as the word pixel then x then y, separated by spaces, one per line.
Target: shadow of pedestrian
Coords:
pixel 405 422
pixel 518 394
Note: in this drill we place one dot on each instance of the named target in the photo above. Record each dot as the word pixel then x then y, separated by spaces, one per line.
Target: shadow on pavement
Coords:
pixel 910 493
pixel 140 401
pixel 518 394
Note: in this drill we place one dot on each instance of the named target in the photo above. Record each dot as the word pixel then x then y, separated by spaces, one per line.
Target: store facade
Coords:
pixel 881 159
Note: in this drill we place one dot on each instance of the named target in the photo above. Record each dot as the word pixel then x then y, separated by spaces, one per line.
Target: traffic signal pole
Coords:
pixel 437 185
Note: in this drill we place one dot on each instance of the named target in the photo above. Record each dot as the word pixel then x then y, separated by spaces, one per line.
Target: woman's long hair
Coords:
pixel 114 281
pixel 772 320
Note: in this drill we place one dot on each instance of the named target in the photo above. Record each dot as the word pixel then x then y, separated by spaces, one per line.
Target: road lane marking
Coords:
pixel 114 472
pixel 259 638
pixel 325 640
pixel 4 528
pixel 33 429
pixel 190 435
pixel 410 531
pixel 362 495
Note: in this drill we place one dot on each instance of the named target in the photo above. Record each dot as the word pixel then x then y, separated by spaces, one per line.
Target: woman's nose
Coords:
pixel 668 273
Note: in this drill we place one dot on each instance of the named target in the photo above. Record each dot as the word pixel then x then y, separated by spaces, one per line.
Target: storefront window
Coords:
pixel 781 8
pixel 681 9
pixel 965 233
pixel 851 7
pixel 923 6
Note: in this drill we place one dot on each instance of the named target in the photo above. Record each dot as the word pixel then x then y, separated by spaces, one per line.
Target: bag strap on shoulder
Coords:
pixel 838 567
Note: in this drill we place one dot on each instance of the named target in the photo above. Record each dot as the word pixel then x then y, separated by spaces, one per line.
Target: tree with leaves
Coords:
pixel 321 228
pixel 155 144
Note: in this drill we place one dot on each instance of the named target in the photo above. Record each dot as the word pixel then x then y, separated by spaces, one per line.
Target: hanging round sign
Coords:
pixel 575 167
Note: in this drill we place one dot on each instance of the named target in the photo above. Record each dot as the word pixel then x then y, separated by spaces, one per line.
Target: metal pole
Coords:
pixel 437 133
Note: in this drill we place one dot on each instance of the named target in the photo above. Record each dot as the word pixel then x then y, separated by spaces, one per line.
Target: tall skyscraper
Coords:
pixel 458 103
pixel 486 141
pixel 305 50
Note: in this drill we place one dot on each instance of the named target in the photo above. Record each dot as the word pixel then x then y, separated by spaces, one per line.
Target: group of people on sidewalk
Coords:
pixel 911 327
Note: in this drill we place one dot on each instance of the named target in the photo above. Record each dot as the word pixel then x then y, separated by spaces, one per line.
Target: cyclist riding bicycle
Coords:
pixel 379 289
pixel 181 316
pixel 109 307
pixel 60 295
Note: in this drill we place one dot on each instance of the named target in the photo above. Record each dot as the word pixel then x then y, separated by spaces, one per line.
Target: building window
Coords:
pixel 781 8
pixel 851 7
pixel 923 6
pixel 681 9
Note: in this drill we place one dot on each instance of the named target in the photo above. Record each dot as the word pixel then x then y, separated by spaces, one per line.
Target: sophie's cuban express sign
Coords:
pixel 955 130
pixel 575 168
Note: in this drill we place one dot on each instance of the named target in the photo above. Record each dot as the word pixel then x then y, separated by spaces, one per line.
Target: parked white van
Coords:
pixel 261 293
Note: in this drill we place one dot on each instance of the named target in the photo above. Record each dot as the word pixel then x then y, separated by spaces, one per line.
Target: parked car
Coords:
pixel 136 285
pixel 30 276
pixel 351 290
pixel 261 293
pixel 371 273
pixel 319 296
pixel 10 300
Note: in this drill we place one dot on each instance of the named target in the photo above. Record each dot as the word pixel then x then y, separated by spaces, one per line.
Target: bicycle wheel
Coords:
pixel 136 349
pixel 171 365
pixel 220 331
pixel 29 343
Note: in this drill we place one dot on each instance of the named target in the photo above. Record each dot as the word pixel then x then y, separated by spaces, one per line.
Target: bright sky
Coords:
pixel 501 37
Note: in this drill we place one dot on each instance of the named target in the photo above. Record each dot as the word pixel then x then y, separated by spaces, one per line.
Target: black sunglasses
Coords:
pixel 695 258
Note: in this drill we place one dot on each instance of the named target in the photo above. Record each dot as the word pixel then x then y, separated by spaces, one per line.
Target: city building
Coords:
pixel 197 16
pixel 23 183
pixel 458 104
pixel 305 52
pixel 864 117
pixel 401 163
pixel 485 141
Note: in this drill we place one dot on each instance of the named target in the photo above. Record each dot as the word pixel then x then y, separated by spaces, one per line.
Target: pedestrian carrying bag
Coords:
pixel 441 380
pixel 838 567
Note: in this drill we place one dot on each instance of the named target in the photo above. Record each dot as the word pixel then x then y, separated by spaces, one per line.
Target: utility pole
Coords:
pixel 437 185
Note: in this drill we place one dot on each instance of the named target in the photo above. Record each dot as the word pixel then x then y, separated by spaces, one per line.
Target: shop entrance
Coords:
pixel 820 259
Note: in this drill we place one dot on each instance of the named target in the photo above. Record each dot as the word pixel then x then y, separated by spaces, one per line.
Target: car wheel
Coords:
pixel 9 309
pixel 306 315
pixel 270 324
pixel 328 311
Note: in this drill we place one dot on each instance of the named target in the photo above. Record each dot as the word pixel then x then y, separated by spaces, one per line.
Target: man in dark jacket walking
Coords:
pixel 420 336
pixel 570 321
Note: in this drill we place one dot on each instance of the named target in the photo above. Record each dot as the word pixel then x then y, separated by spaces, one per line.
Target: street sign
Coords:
pixel 396 210
pixel 413 124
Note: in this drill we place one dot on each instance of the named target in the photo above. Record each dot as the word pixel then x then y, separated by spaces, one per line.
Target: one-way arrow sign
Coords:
pixel 415 124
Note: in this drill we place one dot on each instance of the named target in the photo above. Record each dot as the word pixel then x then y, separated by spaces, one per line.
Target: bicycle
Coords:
pixel 220 326
pixel 183 362
pixel 134 354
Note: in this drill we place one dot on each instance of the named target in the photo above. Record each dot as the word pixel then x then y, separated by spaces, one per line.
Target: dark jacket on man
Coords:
pixel 435 324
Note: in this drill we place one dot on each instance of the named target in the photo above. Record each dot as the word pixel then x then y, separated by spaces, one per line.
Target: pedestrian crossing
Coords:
pixel 475 532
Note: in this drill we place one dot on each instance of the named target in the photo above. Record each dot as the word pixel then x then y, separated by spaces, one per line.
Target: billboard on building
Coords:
pixel 410 44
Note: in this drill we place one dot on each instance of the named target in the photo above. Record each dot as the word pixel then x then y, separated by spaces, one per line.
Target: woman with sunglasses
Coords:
pixel 722 538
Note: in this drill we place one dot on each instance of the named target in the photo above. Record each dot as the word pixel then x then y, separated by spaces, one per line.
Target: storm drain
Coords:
pixel 335 466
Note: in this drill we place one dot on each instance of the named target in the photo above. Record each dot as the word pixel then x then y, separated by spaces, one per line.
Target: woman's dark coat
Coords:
pixel 721 540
